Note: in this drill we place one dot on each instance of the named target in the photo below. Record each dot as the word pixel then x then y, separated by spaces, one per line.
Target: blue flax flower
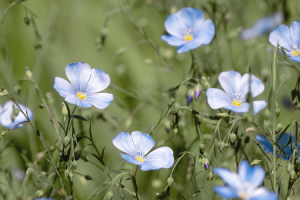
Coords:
pixel 288 38
pixel 84 87
pixel 6 114
pixel 244 184
pixel 188 29
pixel 262 26
pixel 137 145
pixel 236 89
pixel 283 141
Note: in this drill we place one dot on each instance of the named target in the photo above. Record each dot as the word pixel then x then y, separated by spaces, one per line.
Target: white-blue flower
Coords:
pixel 137 145
pixel 6 115
pixel 236 89
pixel 188 29
pixel 288 38
pixel 84 87
pixel 244 184
pixel 262 26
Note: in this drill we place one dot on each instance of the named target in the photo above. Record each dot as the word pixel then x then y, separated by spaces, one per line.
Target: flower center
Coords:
pixel 238 99
pixel 140 158
pixel 295 52
pixel 188 37
pixel 81 95
pixel 243 195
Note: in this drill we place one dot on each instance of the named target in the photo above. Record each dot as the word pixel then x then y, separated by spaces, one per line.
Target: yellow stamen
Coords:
pixel 81 95
pixel 188 38
pixel 296 52
pixel 140 158
pixel 243 195
pixel 236 102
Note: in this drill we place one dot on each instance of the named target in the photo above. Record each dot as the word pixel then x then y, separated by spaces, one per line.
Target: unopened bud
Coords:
pixel 247 139
pixel 171 102
pixel 232 137
pixel 197 91
pixel 29 171
pixel 28 73
pixel 289 167
pixel 64 110
pixel 277 111
pixel 176 107
pixel 167 125
pixel 189 97
pixel 67 174
pixel 250 129
pixel 221 145
pixel 52 148
pixel 293 174
pixel 267 113
pixel 39 193
pixel 210 176
pixel 279 127
pixel 26 21
pixel 175 130
pixel 202 147
pixel 84 158
pixel 122 185
pixel 109 195
pixel 4 132
pixel 158 196
pixel 267 123
pixel 170 181
pixel 205 163
pixel 67 140
pixel 74 165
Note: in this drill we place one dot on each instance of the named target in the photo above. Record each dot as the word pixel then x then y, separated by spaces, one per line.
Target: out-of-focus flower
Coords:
pixel 188 29
pixel 189 97
pixel 44 199
pixel 288 38
pixel 197 90
pixel 236 88
pixel 8 117
pixel 244 184
pixel 262 26
pixel 18 173
pixel 283 142
pixel 84 87
pixel 137 145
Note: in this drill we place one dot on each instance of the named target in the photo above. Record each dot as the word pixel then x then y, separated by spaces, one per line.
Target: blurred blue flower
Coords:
pixel 244 184
pixel 262 26
pixel 84 87
pixel 44 199
pixel 283 142
pixel 236 88
pixel 6 114
pixel 188 29
pixel 137 145
pixel 287 38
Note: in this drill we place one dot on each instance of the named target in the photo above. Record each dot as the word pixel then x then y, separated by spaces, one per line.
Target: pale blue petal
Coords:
pixel 230 82
pixel 173 26
pixel 143 142
pixel 159 158
pixel 99 80
pixel 1 110
pixel 205 32
pixel 190 18
pixel 266 144
pixel 123 141
pixel 79 74
pixel 216 98
pixel 295 34
pixel 131 159
pixel 63 87
pixel 100 100
pixel 73 99
pixel 295 58
pixel 229 178
pixel 172 40
pixel 225 192
pixel 257 86
pixel 263 194
pixel 281 35
pixel 238 109
pixel 193 44
pixel 258 105
pixel 252 175
pixel 5 117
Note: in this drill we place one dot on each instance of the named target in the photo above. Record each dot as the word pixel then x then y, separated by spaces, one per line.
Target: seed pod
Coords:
pixel 170 181
pixel 67 140
pixel 221 145
pixel 232 137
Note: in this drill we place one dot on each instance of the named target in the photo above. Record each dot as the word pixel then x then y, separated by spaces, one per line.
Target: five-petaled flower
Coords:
pixel 236 88
pixel 244 184
pixel 84 87
pixel 287 38
pixel 188 29
pixel 285 148
pixel 137 145
pixel 8 118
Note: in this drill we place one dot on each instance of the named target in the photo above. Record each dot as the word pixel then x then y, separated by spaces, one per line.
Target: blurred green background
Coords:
pixel 104 35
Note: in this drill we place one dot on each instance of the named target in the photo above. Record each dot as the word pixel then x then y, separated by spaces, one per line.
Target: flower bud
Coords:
pixel 74 165
pixel 293 174
pixel 4 132
pixel 109 195
pixel 232 137
pixel 29 171
pixel 221 145
pixel 64 110
pixel 205 163
pixel 84 158
pixel 267 113
pixel 67 140
pixel 202 147
pixel 28 73
pixel 171 102
pixel 267 123
pixel 277 111
pixel 52 148
pixel 122 185
pixel 247 139
pixel 67 173
pixel 250 129
pixel 189 97
pixel 279 127
pixel 176 107
pixel 39 193
pixel 175 130
pixel 26 21
pixel 158 196
pixel 289 167
pixel 167 126
pixel 170 181
pixel 210 176
pixel 3 92
pixel 197 91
